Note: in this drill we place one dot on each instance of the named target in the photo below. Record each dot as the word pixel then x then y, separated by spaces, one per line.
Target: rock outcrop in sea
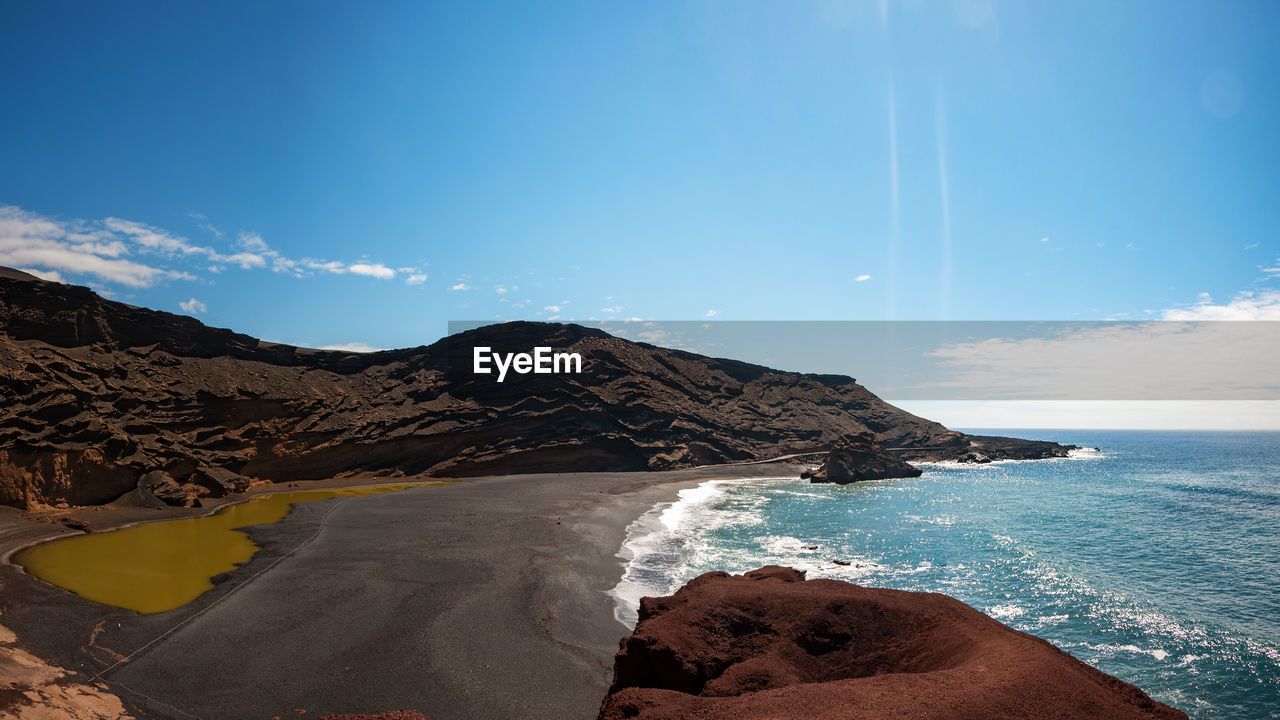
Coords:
pixel 100 400
pixel 771 644
pixel 860 457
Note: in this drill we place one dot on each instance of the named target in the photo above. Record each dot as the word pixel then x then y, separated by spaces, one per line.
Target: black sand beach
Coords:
pixel 479 600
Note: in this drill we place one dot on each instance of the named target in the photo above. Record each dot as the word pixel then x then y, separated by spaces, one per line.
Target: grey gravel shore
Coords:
pixel 486 599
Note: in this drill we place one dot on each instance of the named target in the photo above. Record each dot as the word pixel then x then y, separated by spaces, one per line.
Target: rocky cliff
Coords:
pixel 96 396
pixel 771 644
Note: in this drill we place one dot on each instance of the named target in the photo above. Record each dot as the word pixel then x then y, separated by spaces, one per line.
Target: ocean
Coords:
pixel 1155 558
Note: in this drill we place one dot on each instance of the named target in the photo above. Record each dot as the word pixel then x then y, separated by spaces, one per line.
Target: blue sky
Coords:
pixel 324 174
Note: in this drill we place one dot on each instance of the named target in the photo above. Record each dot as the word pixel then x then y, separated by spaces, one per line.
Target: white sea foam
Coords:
pixel 785 545
pixel 1076 454
pixel 656 551
pixel 675 513
pixel 1001 612
pixel 1187 659
pixel 667 545
pixel 1109 649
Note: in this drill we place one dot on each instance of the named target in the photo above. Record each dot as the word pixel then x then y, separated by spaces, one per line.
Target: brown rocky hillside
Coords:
pixel 96 396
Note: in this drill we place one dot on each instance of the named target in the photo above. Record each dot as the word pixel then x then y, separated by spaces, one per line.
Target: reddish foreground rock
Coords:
pixel 770 644
pixel 392 715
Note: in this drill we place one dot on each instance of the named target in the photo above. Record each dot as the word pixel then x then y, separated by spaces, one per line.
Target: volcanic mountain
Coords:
pixel 99 398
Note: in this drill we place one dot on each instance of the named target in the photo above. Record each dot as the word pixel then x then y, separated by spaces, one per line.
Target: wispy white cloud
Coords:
pixel 460 286
pixel 193 307
pixel 1209 350
pixel 252 242
pixel 1206 350
pixel 244 260
pixel 712 313
pixel 1248 305
pixel 862 278
pixel 1134 360
pixel 135 254
pixel 73 247
pixel 551 308
pixel 376 270
pixel 50 275
pixel 356 347
pixel 331 266
pixel 202 222
pixel 415 279
pixel 153 238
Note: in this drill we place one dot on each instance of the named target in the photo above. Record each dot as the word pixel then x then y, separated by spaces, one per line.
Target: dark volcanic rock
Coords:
pixel 161 485
pixel 94 394
pixel 219 481
pixel 973 457
pixel 993 447
pixel 77 524
pixel 860 457
pixel 770 644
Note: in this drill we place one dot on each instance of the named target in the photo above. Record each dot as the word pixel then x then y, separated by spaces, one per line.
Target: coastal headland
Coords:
pixel 103 400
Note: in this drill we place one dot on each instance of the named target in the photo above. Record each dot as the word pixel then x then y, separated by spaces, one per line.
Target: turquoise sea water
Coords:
pixel 1155 559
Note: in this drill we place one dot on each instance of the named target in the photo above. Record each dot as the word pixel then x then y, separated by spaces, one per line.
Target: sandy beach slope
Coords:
pixel 479 600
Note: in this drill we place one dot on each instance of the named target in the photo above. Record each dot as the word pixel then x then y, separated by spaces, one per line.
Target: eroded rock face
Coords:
pixel 771 644
pixel 860 457
pixel 95 395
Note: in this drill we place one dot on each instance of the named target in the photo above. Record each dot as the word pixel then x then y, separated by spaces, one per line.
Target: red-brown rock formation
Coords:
pixel 770 644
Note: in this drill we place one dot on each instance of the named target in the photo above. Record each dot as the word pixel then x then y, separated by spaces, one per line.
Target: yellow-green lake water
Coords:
pixel 159 566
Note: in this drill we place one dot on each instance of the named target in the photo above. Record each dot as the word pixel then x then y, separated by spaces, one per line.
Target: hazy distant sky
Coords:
pixel 335 173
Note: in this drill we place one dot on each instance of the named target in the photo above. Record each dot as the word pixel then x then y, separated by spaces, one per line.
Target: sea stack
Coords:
pixel 860 457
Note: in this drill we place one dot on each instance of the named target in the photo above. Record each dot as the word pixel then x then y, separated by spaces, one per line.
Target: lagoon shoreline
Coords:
pixel 488 598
